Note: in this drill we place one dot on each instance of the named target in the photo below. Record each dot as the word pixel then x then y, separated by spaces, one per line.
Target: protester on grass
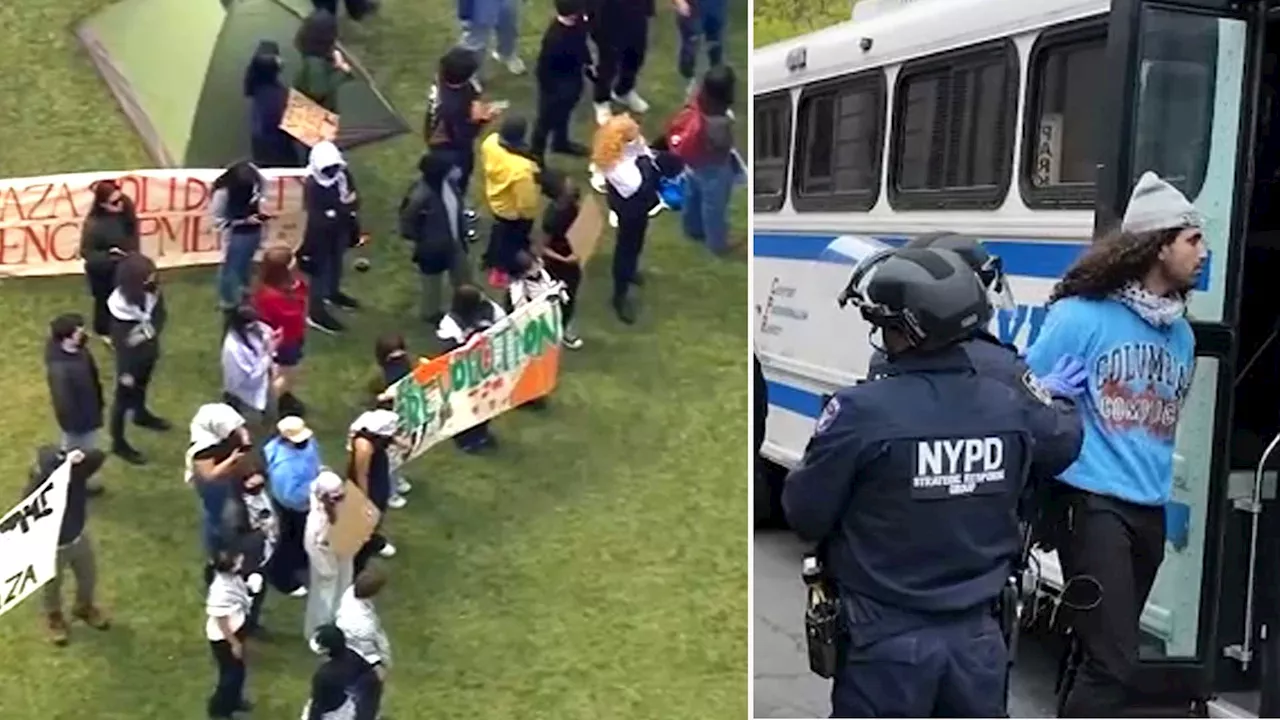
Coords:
pixel 433 218
pixel 109 234
pixel 369 468
pixel 268 97
pixel 74 385
pixel 292 461
pixel 512 189
pixel 335 681
pixel 500 18
pixel 713 169
pixel 471 312
pixel 456 113
pixel 331 572
pixel 324 69
pixel 620 29
pixel 281 302
pixel 220 444
pixel 250 519
pixel 227 607
pixel 236 206
pixel 358 620
pixel 75 548
pixel 248 356
pixel 563 63
pixel 394 364
pixel 701 23
pixel 137 321
pixel 333 227
pixel 558 255
pixel 632 173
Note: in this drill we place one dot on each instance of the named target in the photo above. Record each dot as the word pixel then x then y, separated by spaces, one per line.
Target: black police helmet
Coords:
pixel 929 295
pixel 969 248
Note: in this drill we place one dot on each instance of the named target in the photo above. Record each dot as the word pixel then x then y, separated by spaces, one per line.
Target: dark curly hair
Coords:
pixel 1113 261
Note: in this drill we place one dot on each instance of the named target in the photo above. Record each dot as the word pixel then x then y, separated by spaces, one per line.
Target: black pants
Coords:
pixel 380 496
pixel 620 54
pixel 462 158
pixel 626 254
pixel 130 401
pixel 1119 545
pixel 228 694
pixel 355 8
pixel 277 150
pixel 506 239
pixel 555 110
pixel 368 695
pixel 289 561
pixel 102 281
pixel 325 261
pixel 571 276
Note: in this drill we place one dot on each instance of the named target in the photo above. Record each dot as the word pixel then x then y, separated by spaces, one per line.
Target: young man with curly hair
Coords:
pixel 1121 310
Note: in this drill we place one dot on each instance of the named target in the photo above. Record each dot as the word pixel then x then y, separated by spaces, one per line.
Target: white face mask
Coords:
pixel 455 175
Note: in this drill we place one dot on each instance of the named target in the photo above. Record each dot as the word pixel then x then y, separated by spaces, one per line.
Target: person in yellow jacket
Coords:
pixel 512 189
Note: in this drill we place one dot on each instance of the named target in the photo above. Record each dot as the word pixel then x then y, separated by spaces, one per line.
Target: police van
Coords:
pixel 1025 123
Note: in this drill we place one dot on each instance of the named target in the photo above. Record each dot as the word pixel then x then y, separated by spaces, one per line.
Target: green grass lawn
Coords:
pixel 595 567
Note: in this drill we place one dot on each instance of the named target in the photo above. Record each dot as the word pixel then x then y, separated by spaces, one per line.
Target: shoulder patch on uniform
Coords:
pixel 829 413
pixel 1038 391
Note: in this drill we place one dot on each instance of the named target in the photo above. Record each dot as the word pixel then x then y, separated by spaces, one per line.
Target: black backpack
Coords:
pixel 412 206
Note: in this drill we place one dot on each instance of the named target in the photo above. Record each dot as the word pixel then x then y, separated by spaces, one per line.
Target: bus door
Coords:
pixel 1179 102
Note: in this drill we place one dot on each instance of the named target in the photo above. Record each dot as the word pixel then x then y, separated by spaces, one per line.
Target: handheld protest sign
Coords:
pixel 584 233
pixel 307 121
pixel 356 519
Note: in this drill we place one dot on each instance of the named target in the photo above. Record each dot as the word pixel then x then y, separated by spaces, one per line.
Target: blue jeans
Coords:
pixel 481 18
pixel 704 24
pixel 956 668
pixel 706 205
pixel 240 247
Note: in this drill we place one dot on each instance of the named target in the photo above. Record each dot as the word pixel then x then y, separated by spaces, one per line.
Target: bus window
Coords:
pixel 838 147
pixel 1061 152
pixel 953 138
pixel 772 141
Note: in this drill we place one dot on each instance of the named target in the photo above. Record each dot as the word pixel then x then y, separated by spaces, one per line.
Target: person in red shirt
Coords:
pixel 281 302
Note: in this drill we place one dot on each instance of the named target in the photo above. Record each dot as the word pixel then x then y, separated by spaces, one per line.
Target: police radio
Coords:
pixel 821 618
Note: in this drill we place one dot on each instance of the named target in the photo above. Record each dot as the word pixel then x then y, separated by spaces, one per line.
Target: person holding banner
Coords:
pixel 369 467
pixel 109 234
pixel 471 313
pixel 75 548
pixel 394 365
pixel 333 227
pixel 137 320
pixel 227 605
pixel 331 573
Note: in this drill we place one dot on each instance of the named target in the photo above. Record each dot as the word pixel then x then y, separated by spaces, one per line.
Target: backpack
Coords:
pixel 684 133
pixel 412 206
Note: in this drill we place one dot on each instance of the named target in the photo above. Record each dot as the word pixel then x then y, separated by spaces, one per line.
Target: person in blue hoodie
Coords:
pixel 292 461
pixel 271 147
pixel 1121 308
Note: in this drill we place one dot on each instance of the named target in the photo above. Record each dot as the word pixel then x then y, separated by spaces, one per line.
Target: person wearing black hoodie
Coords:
pixel 561 73
pixel 268 97
pixel 137 321
pixel 435 211
pixel 456 112
pixel 236 206
pixel 620 29
pixel 333 227
pixel 110 233
pixel 74 384
pixel 75 548
pixel 334 684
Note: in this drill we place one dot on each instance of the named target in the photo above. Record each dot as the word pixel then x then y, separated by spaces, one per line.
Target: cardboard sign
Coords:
pixel 307 121
pixel 356 519
pixel 584 233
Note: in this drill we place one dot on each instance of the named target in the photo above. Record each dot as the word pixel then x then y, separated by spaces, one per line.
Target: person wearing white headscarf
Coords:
pixel 331 573
pixel 369 467
pixel 333 226
pixel 219 442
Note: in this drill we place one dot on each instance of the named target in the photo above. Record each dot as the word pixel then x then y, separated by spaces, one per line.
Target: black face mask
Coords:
pixel 299 445
pixel 151 286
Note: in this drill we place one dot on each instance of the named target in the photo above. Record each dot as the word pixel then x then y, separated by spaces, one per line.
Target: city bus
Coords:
pixel 1025 123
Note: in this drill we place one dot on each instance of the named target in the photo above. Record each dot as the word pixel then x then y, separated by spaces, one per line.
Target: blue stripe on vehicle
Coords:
pixel 798 401
pixel 1025 258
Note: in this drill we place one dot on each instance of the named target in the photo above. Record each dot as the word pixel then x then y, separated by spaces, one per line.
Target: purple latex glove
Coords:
pixel 1068 378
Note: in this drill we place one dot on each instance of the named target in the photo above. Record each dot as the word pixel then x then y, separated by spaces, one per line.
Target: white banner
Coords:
pixel 29 539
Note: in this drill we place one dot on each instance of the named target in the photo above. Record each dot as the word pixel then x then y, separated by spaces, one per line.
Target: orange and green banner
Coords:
pixel 506 366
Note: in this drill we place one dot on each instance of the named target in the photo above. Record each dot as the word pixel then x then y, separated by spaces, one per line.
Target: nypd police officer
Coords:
pixel 910 486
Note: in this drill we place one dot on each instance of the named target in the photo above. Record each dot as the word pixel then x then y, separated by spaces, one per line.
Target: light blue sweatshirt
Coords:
pixel 290 471
pixel 1139 375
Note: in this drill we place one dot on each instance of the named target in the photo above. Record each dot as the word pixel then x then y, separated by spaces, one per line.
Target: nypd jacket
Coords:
pixel 913 481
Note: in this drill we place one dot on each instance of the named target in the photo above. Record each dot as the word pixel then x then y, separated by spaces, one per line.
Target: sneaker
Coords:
pixel 637 278
pixel 59 631
pixel 625 310
pixel 128 453
pixel 388 550
pixel 325 324
pixel 395 502
pixel 151 421
pixel 403 486
pixel 633 102
pixel 301 592
pixel 513 64
pixel 345 301
pixel 92 616
pixel 603 113
pixel 573 342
